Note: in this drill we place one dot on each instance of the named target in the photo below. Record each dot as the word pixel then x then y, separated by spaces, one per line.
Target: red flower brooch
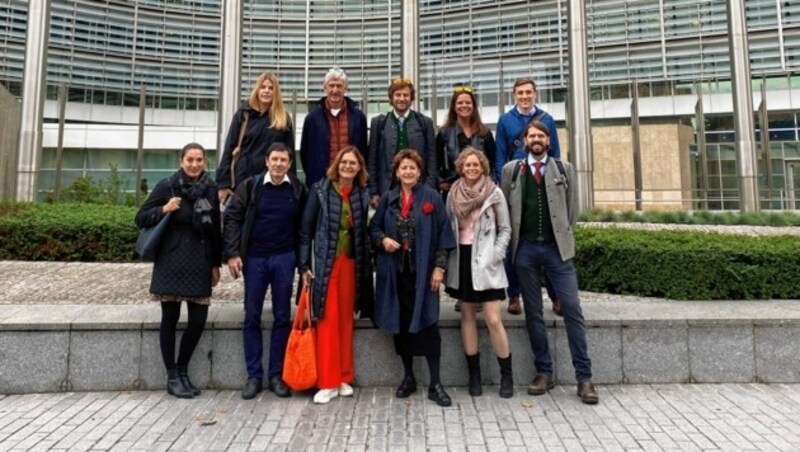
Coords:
pixel 427 208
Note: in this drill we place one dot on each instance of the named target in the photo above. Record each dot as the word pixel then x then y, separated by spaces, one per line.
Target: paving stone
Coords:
pixel 777 349
pixel 721 354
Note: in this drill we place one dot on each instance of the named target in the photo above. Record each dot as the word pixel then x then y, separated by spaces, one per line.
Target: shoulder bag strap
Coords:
pixel 237 151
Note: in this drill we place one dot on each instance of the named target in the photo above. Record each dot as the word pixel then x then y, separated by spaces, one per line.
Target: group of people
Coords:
pixel 457 210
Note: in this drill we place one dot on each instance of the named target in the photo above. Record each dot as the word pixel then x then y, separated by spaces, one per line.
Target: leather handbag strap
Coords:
pixel 237 151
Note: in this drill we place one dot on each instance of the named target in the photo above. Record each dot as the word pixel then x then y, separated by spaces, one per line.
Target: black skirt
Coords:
pixel 428 341
pixel 466 290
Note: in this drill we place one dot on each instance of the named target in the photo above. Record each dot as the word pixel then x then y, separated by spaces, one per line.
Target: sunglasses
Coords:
pixel 463 89
pixel 405 81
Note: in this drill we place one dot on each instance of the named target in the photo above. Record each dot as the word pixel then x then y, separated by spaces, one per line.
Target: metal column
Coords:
pixel 29 151
pixel 742 106
pixel 410 45
pixel 580 124
pixel 230 73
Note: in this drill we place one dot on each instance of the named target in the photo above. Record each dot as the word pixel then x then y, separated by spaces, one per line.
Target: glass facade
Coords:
pixel 106 50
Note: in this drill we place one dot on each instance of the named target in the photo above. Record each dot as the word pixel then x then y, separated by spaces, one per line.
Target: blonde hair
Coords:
pixel 279 120
pixel 468 151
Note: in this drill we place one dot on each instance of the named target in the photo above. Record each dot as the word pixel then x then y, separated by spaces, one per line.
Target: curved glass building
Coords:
pixel 662 52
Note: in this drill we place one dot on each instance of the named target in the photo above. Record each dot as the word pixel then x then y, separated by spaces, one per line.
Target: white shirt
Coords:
pixel 532 160
pixel 268 179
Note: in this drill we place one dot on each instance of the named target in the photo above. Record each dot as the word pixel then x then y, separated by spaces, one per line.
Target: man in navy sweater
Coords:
pixel 261 232
pixel 510 145
pixel 334 124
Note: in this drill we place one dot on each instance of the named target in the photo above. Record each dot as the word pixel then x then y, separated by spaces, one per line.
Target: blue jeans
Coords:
pixel 513 289
pixel 259 273
pixel 530 260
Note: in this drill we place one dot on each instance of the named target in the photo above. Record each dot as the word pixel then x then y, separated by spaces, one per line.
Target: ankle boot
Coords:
pixel 183 374
pixel 474 367
pixel 175 386
pixel 506 379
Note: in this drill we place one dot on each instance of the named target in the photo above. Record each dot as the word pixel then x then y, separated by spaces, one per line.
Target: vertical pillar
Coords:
pixel 410 45
pixel 742 106
pixel 230 73
pixel 637 148
pixel 580 104
pixel 29 151
pixel 140 144
pixel 763 120
pixel 701 147
pixel 62 107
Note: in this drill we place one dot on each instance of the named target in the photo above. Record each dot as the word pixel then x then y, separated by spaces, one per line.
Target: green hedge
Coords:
pixel 67 232
pixel 672 264
pixel 688 265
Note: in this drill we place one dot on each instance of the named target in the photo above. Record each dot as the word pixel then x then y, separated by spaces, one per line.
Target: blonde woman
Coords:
pixel 264 121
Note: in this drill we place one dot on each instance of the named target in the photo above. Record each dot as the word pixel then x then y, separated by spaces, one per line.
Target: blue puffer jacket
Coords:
pixel 320 225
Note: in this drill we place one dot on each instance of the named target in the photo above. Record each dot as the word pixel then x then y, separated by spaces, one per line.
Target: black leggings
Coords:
pixel 170 312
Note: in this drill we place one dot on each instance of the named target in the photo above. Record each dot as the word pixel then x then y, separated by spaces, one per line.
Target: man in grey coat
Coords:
pixel 543 205
pixel 402 128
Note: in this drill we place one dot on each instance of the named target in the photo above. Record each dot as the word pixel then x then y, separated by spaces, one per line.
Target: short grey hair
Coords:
pixel 335 74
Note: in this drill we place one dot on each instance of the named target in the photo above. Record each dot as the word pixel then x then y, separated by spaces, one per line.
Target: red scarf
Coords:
pixel 405 204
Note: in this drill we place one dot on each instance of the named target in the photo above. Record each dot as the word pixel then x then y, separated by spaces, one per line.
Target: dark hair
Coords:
pixel 280 147
pixel 474 120
pixel 333 169
pixel 536 125
pixel 523 81
pixel 407 154
pixel 190 146
pixel 398 84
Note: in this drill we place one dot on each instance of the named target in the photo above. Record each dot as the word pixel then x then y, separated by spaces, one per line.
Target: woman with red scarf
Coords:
pixel 335 219
pixel 413 237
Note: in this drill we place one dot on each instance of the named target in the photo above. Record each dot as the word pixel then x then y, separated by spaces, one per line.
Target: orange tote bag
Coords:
pixel 300 364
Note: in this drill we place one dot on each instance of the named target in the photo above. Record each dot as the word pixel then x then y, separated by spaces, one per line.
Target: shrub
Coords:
pixel 68 232
pixel 687 265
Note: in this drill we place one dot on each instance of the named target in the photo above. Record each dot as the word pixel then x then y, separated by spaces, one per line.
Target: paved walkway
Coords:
pixel 670 417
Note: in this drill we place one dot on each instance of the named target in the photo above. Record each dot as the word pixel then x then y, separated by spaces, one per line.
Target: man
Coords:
pixel 335 124
pixel 543 203
pixel 402 128
pixel 510 145
pixel 261 231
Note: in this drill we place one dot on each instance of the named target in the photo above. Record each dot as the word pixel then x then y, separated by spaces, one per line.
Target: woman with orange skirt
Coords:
pixel 334 225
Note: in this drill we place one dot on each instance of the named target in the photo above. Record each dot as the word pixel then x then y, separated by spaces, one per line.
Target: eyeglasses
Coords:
pixel 462 89
pixel 399 80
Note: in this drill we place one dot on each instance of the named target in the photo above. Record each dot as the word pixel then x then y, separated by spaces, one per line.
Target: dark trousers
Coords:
pixel 259 274
pixel 530 261
pixel 513 282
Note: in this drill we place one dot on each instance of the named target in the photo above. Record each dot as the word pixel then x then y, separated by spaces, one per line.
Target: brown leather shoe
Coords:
pixel 514 306
pixel 557 307
pixel 541 384
pixel 588 393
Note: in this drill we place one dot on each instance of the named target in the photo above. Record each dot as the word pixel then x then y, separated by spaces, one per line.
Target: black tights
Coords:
pixel 170 312
pixel 433 367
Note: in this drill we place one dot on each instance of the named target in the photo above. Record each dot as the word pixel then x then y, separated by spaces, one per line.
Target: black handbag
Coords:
pixel 150 239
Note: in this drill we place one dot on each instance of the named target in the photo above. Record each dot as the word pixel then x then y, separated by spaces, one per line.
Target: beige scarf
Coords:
pixel 467 198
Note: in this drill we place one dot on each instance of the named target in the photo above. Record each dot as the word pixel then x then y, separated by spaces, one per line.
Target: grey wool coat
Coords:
pixel 561 194
pixel 492 234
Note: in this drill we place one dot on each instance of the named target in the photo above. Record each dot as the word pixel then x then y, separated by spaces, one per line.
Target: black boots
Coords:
pixel 183 374
pixel 506 379
pixel 474 367
pixel 175 385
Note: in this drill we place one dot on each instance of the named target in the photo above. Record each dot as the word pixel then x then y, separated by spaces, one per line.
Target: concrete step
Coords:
pixel 50 348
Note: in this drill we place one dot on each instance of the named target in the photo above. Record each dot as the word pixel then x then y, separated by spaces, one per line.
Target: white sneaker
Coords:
pixel 324 396
pixel 345 390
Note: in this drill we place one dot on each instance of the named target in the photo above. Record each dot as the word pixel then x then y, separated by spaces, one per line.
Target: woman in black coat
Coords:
pixel 335 220
pixel 187 264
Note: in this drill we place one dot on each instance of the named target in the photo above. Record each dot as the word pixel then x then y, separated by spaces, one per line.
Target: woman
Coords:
pixel 335 219
pixel 462 127
pixel 252 131
pixel 412 234
pixel 480 221
pixel 187 264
